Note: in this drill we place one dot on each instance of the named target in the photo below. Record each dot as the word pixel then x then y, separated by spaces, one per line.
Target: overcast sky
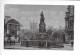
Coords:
pixel 54 14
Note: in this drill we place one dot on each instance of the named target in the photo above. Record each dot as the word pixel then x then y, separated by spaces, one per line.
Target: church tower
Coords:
pixel 42 28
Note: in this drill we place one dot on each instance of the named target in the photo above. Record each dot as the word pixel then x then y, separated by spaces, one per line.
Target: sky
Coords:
pixel 54 14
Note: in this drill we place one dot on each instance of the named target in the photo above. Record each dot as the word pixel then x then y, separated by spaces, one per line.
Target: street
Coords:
pixel 17 46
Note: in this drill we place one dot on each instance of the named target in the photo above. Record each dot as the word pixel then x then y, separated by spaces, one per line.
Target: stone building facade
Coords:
pixel 33 27
pixel 69 23
pixel 11 28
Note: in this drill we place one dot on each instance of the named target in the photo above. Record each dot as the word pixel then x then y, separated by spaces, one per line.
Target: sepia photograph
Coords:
pixel 38 27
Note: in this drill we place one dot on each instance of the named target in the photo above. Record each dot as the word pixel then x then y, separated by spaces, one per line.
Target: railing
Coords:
pixel 41 43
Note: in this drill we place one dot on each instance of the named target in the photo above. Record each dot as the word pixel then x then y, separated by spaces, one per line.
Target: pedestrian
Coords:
pixel 71 44
pixel 48 44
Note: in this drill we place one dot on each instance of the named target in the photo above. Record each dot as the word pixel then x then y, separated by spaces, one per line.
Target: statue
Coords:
pixel 42 25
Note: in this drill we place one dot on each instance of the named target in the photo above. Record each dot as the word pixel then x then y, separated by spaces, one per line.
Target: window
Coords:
pixel 71 23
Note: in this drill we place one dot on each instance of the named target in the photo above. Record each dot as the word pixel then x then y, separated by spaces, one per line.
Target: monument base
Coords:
pixel 42 36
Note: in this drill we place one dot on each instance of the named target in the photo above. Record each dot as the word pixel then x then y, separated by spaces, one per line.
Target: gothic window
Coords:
pixel 15 26
pixel 71 14
pixel 71 23
pixel 18 27
pixel 9 26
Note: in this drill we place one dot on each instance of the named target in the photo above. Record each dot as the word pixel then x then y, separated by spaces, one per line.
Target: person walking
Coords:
pixel 71 44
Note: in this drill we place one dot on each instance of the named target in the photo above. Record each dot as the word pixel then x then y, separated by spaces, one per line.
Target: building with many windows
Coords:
pixel 69 23
pixel 11 28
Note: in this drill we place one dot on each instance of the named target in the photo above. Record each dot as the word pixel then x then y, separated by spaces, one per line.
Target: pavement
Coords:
pixel 17 46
